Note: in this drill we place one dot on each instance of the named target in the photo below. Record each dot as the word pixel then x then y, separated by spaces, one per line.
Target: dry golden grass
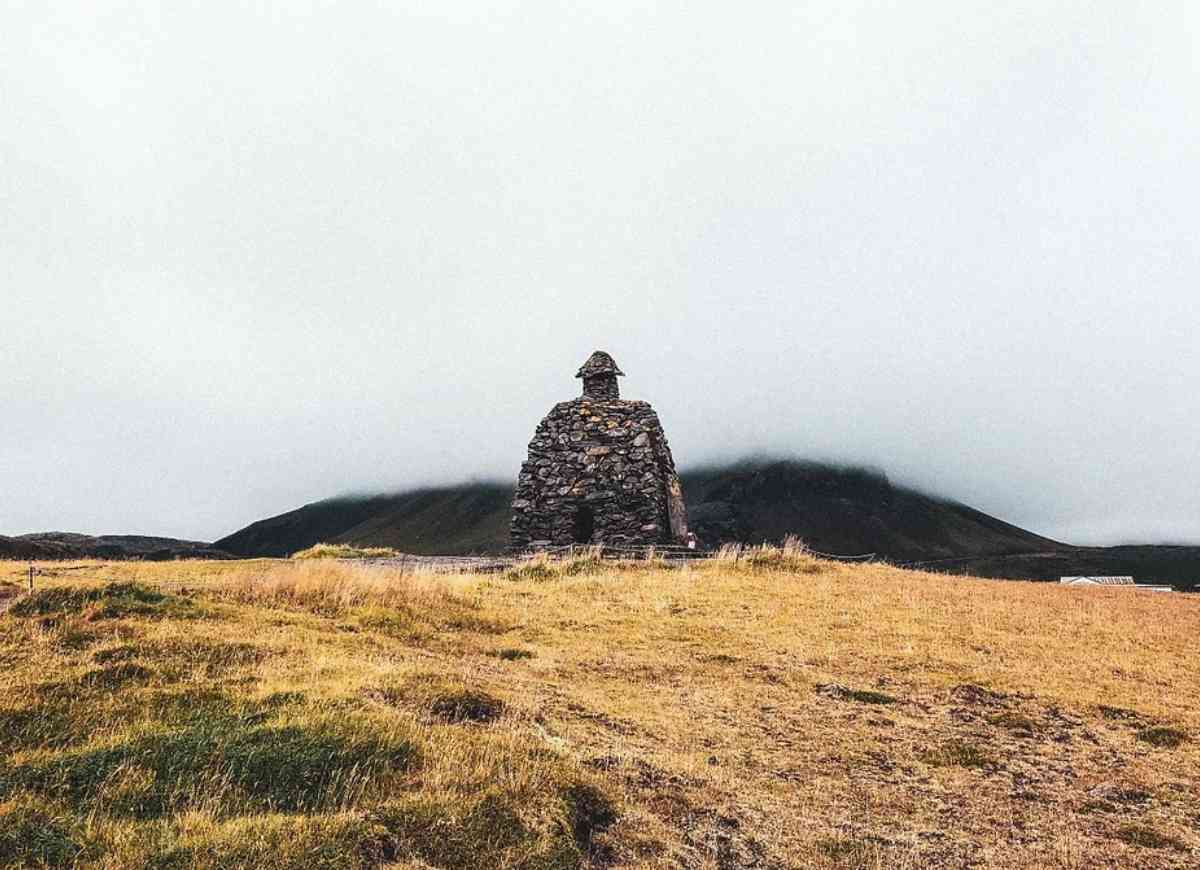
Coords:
pixel 344 551
pixel 765 709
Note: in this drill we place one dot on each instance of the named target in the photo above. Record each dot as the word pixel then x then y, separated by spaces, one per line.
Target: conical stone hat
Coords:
pixel 599 363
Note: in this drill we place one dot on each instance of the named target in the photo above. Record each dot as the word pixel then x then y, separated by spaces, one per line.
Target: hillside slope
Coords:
pixel 70 545
pixel 844 511
pixel 446 520
pixel 837 510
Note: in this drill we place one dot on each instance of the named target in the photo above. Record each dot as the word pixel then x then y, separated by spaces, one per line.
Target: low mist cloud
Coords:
pixel 255 257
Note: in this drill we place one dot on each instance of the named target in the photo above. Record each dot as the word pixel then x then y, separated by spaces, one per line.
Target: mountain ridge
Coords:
pixel 840 510
pixel 74 545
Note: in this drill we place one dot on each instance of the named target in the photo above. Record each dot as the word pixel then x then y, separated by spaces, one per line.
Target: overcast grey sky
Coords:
pixel 252 257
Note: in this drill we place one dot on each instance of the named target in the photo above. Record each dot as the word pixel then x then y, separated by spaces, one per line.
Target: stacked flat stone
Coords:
pixel 599 470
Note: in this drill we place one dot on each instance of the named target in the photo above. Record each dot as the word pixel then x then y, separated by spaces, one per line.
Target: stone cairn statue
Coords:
pixel 599 472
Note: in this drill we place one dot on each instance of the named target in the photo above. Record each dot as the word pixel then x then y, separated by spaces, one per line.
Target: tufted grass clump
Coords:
pixel 537 568
pixel 860 696
pixel 792 557
pixel 542 566
pixel 443 698
pixel 512 654
pixel 345 551
pixel 326 841
pixel 956 753
pixel 843 851
pixel 587 561
pixel 1017 723
pixel 466 705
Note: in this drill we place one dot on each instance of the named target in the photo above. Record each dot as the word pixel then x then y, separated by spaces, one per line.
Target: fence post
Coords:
pixel 30 578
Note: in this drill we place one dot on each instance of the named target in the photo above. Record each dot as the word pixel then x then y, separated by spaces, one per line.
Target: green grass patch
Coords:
pixel 282 699
pixel 403 623
pixel 492 830
pixel 511 654
pixel 543 567
pixel 53 716
pixel 278 768
pixel 466 705
pixel 860 696
pixel 31 836
pixel 215 656
pixel 489 832
pixel 112 601
pixel 775 559
pixel 1161 737
pixel 449 836
pixel 200 707
pixel 40 726
pixel 68 634
pixel 285 842
pixel 536 570
pixel 956 753
pixel 1118 714
pixel 840 849
pixel 1017 723
pixel 444 700
pixel 414 625
pixel 113 677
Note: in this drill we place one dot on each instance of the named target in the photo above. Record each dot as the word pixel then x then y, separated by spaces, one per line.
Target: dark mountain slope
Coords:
pixel 467 519
pixel 837 510
pixel 321 521
pixel 843 511
pixel 69 545
pixel 447 521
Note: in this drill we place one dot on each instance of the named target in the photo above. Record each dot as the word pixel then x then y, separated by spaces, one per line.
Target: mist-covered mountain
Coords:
pixel 836 510
pixel 472 518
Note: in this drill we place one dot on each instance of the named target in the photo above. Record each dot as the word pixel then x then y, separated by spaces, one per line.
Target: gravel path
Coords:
pixel 443 564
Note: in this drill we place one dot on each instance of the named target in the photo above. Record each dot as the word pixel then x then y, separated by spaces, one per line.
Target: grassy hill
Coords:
pixel 780 712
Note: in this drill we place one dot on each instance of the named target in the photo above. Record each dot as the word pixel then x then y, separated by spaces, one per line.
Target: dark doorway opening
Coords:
pixel 585 525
